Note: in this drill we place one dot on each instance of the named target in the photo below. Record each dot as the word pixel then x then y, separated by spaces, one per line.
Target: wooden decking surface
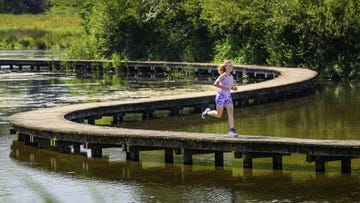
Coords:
pixel 51 123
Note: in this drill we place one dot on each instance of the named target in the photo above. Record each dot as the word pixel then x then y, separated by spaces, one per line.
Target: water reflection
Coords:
pixel 197 183
pixel 32 90
pixel 333 112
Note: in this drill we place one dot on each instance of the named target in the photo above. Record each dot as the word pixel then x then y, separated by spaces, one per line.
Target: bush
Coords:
pixel 39 44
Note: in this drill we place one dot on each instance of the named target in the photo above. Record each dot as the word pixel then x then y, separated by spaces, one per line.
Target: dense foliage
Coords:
pixel 320 34
pixel 145 30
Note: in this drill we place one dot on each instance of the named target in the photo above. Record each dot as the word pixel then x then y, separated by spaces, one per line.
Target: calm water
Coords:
pixel 333 112
pixel 24 54
pixel 31 175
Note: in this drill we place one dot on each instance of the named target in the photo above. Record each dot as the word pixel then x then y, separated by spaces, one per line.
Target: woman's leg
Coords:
pixel 216 113
pixel 219 102
pixel 230 113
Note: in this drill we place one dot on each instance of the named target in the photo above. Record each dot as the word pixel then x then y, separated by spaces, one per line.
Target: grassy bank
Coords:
pixel 39 31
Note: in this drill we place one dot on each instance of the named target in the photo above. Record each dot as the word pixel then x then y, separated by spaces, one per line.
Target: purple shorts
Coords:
pixel 222 100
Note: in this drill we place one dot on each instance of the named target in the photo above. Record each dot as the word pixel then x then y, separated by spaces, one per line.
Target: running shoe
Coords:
pixel 232 132
pixel 204 113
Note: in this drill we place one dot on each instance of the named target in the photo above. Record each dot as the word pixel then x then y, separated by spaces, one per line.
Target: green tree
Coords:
pixel 323 35
pixel 320 34
pixel 147 29
pixel 238 28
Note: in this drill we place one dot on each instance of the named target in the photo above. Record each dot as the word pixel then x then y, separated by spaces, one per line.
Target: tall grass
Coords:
pixel 44 31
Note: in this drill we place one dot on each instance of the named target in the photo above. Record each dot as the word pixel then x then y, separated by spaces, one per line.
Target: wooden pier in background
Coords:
pixel 135 67
pixel 67 128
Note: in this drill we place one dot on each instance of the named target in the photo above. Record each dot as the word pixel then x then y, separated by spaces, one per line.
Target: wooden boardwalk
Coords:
pixel 136 67
pixel 63 128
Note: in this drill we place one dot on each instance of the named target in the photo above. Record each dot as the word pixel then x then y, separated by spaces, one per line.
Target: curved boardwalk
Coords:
pixel 56 127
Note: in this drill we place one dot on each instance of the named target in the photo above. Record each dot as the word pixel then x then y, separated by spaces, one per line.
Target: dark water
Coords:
pixel 28 174
pixel 333 112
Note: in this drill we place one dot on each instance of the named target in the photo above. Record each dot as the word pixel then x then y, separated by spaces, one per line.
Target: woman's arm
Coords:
pixel 218 80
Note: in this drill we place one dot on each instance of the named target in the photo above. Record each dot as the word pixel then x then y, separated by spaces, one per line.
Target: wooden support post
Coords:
pixel 153 69
pixel 188 157
pixel 91 121
pixel 276 157
pixel 96 151
pixel 174 111
pixel 248 163
pixel 118 118
pixel 41 143
pixel 12 131
pixel 321 160
pixel 277 162
pixel 169 156
pixel 237 155
pixel 320 165
pixel 32 141
pixel 219 158
pixel 177 151
pixel 346 165
pixel 76 148
pixel 53 142
pixel 23 137
pixel 132 152
pixel 147 114
pixel 133 155
pixel 196 69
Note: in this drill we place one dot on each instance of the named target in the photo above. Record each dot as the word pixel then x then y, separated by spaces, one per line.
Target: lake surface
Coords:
pixel 30 54
pixel 28 174
pixel 333 112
